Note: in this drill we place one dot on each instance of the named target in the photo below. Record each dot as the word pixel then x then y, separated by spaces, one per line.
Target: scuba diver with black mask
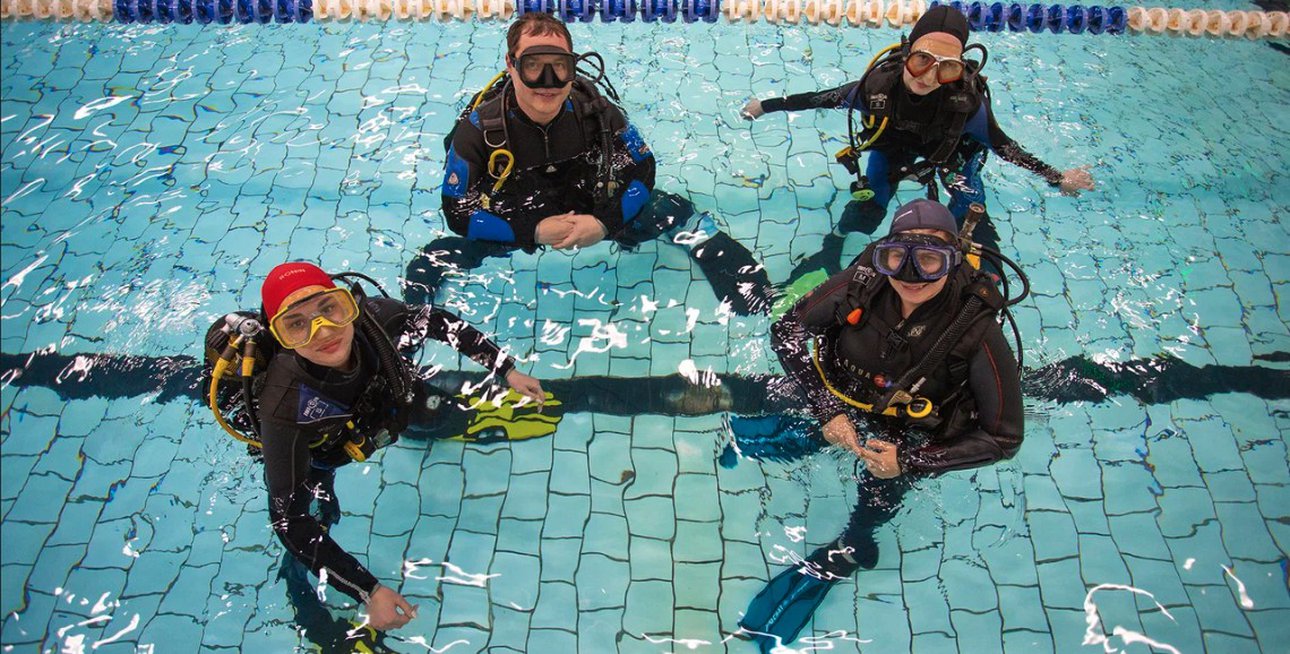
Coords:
pixel 926 113
pixel 332 387
pixel 541 157
pixel 905 347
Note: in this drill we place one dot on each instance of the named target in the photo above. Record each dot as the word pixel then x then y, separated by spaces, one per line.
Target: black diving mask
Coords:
pixel 915 258
pixel 547 66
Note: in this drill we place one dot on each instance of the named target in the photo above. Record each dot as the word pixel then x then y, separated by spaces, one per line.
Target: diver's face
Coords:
pixel 937 44
pixel 914 295
pixel 540 105
pixel 331 346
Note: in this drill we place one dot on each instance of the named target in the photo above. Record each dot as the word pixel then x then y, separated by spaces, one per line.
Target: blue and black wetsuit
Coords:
pixel 917 129
pixel 958 114
pixel 305 412
pixel 559 168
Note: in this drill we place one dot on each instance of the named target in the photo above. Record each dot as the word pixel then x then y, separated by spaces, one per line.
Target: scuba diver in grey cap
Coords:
pixel 900 360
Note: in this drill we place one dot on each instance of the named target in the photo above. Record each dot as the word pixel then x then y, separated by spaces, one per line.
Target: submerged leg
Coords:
pixel 856 548
pixel 443 256
pixel 734 273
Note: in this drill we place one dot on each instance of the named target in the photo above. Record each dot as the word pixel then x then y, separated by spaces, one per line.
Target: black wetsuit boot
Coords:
pixel 731 269
pixel 856 548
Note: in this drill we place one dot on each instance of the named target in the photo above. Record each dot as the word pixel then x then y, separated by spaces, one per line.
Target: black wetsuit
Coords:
pixel 976 388
pixel 557 170
pixel 301 402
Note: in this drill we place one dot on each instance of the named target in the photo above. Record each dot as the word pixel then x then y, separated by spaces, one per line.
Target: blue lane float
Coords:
pixel 898 14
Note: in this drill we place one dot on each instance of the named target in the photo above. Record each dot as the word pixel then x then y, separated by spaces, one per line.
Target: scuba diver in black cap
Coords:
pixel 925 111
pixel 542 158
pixel 903 347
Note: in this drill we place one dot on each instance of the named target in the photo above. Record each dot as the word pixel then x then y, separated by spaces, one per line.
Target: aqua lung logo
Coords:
pixel 878 101
pixel 315 407
pixel 917 330
pixel 453 179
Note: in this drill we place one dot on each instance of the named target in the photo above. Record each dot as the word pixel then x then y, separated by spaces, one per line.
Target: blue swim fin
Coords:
pixel 778 613
pixel 781 438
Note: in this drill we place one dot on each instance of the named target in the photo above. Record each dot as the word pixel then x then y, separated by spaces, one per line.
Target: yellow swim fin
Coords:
pixel 509 417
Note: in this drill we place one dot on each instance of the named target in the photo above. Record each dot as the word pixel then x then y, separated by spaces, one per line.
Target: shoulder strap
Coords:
pixel 980 294
pixel 865 283
pixel 879 84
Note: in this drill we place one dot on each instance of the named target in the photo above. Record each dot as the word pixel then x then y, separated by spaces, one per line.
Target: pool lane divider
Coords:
pixel 982 16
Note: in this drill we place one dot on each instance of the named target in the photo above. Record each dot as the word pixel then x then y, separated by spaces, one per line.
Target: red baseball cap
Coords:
pixel 288 278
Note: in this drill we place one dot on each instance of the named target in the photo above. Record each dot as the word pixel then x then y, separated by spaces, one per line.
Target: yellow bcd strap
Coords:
pixel 870 120
pixel 917 407
pixel 226 360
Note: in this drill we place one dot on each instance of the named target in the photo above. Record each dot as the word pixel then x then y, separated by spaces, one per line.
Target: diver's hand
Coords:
pixel 585 230
pixel 1076 180
pixel 880 458
pixel 840 431
pixel 526 386
pixel 386 609
pixel 752 110
pixel 553 229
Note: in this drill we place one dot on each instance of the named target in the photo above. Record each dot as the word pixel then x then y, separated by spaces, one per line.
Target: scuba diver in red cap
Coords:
pixel 900 360
pixel 925 111
pixel 334 389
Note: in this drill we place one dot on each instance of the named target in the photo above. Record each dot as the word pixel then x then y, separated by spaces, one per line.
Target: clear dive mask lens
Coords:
pixel 915 258
pixel 546 67
pixel 296 325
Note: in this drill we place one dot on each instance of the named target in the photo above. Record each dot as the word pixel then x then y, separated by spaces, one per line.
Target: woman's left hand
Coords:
pixel 526 386
pixel 880 458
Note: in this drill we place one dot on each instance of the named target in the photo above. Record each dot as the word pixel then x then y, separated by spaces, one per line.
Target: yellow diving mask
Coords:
pixel 296 325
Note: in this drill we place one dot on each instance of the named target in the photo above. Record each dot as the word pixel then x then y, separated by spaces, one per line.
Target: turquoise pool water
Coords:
pixel 152 175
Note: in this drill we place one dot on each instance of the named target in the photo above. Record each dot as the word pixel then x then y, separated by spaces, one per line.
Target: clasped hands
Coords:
pixel 569 230
pixel 879 456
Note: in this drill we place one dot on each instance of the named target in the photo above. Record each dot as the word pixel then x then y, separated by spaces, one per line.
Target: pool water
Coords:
pixel 151 176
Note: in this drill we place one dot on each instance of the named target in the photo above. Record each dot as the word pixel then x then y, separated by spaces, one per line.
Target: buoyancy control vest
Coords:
pixel 883 97
pixel 867 357
pixel 348 416
pixel 490 108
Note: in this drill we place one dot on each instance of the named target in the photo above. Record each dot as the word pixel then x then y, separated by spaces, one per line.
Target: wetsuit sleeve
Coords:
pixel 443 326
pixel 791 337
pixel 633 171
pixel 982 127
pixel 837 98
pixel 465 184
pixel 286 472
pixel 409 325
pixel 995 384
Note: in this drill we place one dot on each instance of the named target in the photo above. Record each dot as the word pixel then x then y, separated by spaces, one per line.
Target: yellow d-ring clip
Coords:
pixel 920 407
pixel 506 169
pixel 355 451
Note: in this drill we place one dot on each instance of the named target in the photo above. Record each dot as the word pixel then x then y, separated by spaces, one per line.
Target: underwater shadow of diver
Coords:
pixel 1074 379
